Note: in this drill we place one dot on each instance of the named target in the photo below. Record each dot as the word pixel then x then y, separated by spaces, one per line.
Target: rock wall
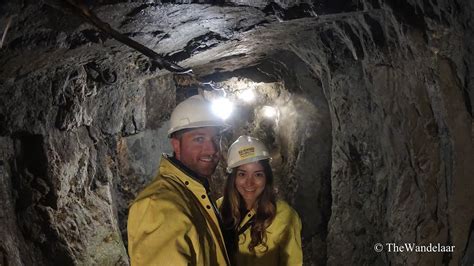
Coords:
pixel 401 136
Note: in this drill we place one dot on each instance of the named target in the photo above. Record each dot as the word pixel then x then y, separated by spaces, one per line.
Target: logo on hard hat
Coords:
pixel 246 152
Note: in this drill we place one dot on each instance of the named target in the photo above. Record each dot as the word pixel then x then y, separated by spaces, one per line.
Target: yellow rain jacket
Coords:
pixel 172 222
pixel 283 239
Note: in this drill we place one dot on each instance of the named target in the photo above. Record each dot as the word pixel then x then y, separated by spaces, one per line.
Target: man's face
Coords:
pixel 198 150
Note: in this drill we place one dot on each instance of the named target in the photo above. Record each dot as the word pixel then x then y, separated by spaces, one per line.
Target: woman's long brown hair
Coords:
pixel 233 207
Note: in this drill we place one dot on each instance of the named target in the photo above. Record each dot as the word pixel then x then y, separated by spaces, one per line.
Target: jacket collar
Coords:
pixel 180 166
pixel 246 219
pixel 167 168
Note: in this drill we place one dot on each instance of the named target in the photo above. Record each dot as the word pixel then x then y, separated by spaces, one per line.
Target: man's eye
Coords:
pixel 199 139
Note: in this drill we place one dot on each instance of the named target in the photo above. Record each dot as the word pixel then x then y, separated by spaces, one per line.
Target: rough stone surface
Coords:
pixel 373 143
pixel 396 173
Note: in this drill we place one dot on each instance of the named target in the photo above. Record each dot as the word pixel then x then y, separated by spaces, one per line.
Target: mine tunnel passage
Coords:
pixel 365 106
pixel 285 108
pixel 288 111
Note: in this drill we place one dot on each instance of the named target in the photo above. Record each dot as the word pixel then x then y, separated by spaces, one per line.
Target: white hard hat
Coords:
pixel 194 112
pixel 245 150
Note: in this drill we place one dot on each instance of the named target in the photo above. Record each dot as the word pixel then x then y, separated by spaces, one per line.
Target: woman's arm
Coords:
pixel 290 251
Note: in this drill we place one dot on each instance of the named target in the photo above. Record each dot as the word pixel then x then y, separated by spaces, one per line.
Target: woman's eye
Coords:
pixel 260 175
pixel 240 174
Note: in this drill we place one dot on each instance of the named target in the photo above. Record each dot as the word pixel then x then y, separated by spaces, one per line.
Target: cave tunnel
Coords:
pixel 366 107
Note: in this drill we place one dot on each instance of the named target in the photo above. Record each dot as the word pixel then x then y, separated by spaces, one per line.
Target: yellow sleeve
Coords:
pixel 290 251
pixel 160 233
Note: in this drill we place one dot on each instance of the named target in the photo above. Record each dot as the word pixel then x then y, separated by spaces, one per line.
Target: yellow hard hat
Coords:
pixel 245 150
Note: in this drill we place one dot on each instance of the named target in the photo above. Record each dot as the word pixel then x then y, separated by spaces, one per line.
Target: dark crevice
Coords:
pixel 149 33
pixel 35 194
pixel 467 101
pixel 468 252
pixel 32 164
pixel 338 6
pixel 335 54
pixel 294 12
pixel 251 27
pixel 468 94
pixel 196 45
pixel 3 123
pixel 376 30
pixel 408 14
pixel 85 37
pixel 36 40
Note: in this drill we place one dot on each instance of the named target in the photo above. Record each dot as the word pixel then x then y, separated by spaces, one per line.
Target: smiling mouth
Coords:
pixel 249 189
pixel 207 159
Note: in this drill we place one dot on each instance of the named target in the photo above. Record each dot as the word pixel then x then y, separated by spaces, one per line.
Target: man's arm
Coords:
pixel 160 233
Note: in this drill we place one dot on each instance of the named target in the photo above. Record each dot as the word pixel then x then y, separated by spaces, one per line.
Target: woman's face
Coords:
pixel 250 181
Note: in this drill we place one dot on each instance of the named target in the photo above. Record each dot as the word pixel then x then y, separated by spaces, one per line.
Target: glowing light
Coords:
pixel 247 95
pixel 269 111
pixel 222 107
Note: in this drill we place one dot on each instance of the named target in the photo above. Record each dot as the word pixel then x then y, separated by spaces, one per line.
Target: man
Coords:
pixel 173 221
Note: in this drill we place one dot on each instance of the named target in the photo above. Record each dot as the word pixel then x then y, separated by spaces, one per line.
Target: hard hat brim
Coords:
pixel 223 126
pixel 246 161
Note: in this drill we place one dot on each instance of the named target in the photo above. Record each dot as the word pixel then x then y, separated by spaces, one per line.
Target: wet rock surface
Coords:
pixel 373 143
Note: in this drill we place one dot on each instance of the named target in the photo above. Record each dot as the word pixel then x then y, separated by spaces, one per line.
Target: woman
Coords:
pixel 259 229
